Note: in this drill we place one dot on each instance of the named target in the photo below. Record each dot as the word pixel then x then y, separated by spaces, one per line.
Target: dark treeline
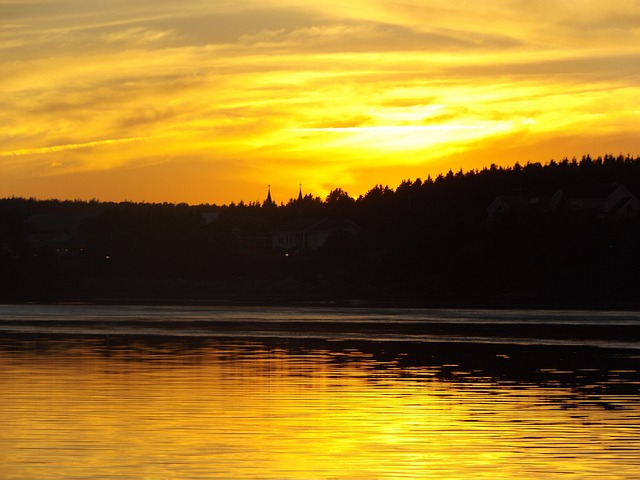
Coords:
pixel 564 233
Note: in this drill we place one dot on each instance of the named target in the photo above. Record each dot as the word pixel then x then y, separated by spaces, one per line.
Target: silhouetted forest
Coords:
pixel 563 233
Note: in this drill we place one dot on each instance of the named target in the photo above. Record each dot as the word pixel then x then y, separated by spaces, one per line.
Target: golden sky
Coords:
pixel 208 101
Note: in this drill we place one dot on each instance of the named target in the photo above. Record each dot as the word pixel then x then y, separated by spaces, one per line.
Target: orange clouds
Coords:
pixel 326 95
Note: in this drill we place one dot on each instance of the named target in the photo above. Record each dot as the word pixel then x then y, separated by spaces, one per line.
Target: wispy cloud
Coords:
pixel 67 147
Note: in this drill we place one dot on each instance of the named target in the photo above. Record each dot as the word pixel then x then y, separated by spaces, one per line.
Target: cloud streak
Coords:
pixel 70 146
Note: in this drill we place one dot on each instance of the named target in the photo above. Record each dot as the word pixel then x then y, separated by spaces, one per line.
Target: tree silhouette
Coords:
pixel 426 241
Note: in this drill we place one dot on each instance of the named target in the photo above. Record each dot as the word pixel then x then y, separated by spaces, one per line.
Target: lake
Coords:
pixel 139 392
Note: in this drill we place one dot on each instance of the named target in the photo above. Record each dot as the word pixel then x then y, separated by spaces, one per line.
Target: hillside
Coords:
pixel 564 233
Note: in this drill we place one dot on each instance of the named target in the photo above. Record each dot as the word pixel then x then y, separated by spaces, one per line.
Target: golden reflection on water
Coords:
pixel 78 410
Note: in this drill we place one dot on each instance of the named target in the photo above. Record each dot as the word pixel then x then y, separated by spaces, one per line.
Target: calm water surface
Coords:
pixel 212 393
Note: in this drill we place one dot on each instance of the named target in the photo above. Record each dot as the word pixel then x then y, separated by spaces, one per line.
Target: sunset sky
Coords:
pixel 208 101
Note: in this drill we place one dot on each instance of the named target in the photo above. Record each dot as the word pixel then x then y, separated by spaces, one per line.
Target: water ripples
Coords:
pixel 102 406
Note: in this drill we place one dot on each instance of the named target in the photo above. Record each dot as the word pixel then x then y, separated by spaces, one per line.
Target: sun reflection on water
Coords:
pixel 85 409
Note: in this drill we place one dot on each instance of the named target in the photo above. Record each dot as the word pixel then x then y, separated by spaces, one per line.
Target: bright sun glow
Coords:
pixel 395 139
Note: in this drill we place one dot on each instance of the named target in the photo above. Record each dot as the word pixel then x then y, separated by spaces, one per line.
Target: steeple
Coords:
pixel 268 202
pixel 300 194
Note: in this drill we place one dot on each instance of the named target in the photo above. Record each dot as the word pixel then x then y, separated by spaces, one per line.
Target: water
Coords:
pixel 92 392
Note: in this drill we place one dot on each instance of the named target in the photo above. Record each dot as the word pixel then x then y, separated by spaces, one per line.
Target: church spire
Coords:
pixel 300 194
pixel 268 202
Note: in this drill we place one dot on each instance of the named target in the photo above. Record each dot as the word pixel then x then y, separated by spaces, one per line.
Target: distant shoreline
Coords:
pixel 336 303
